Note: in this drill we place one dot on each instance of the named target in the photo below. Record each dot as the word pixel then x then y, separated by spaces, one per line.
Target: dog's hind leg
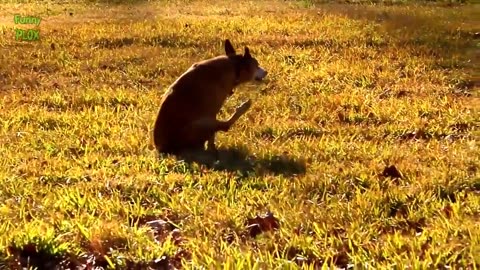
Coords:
pixel 241 110
pixel 204 129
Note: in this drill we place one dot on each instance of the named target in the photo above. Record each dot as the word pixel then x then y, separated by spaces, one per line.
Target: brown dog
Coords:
pixel 187 116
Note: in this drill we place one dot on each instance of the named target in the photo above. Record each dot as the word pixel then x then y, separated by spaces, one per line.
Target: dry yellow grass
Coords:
pixel 352 90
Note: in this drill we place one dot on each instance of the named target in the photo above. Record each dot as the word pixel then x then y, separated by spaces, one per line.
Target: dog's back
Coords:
pixel 205 85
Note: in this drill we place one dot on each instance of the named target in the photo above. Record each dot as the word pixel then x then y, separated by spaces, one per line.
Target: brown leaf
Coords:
pixel 392 171
pixel 254 230
pixel 177 237
pixel 161 230
pixel 229 236
pixel 259 224
pixel 448 210
pixel 161 263
pixel 341 259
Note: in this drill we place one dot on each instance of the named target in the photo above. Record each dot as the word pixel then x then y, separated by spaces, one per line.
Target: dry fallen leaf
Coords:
pixel 161 229
pixel 448 210
pixel 259 224
pixel 392 171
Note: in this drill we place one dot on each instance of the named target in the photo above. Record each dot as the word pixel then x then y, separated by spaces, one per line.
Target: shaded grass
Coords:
pixel 351 91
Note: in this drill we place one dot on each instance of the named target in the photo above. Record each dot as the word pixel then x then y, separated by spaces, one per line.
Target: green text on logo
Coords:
pixel 27 34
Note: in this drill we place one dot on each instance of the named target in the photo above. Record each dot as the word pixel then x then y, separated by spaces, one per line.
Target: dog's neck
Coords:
pixel 237 73
pixel 238 70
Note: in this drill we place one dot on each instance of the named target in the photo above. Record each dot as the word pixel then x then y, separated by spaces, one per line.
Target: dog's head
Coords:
pixel 246 67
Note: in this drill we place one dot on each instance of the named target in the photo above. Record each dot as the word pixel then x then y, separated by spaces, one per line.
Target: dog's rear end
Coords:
pixel 187 115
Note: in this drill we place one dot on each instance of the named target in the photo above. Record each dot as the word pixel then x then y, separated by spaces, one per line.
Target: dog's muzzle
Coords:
pixel 260 74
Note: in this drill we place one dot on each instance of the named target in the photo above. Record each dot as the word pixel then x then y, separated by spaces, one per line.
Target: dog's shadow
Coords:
pixel 239 160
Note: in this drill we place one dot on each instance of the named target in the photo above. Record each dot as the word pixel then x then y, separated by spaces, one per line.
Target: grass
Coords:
pixel 362 144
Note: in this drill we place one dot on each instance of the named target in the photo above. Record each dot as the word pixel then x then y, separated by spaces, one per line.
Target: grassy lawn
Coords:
pixel 361 146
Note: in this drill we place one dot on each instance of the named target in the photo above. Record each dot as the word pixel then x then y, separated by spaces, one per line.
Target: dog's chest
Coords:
pixel 215 102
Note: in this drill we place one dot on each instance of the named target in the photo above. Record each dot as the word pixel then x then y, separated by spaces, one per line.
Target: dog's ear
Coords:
pixel 229 50
pixel 247 53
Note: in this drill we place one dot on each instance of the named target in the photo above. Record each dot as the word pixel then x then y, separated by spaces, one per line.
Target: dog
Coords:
pixel 187 118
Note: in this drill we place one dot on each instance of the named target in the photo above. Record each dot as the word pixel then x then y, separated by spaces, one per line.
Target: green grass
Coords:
pixel 351 91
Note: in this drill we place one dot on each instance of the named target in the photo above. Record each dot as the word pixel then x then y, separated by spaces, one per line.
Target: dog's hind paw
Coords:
pixel 244 107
